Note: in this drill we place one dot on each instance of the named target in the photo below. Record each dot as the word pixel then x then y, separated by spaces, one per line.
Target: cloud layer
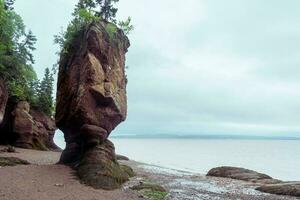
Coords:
pixel 199 66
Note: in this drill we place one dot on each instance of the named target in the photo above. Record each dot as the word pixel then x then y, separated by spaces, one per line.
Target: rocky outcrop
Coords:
pixel 23 125
pixel 32 129
pixel 241 174
pixel 91 102
pixel 266 183
pixel 100 169
pixel 285 188
pixel 44 129
pixel 3 100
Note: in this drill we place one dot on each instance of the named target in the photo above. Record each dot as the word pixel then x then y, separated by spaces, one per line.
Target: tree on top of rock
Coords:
pixel 9 4
pixel 107 9
pixel 100 8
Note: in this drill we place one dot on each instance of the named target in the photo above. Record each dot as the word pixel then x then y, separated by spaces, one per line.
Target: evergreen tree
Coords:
pixel 107 10
pixel 126 26
pixel 9 4
pixel 45 92
pixel 16 57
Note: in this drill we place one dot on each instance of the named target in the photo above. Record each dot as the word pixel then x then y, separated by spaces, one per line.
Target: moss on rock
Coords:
pixel 128 170
pixel 155 195
pixel 12 161
pixel 100 169
pixel 151 190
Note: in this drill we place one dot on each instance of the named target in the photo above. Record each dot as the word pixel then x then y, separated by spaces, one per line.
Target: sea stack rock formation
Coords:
pixel 91 102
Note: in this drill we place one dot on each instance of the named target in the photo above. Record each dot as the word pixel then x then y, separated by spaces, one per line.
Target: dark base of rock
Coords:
pixel 12 161
pixel 269 185
pixel 242 174
pixel 286 188
pixel 121 157
pixel 98 166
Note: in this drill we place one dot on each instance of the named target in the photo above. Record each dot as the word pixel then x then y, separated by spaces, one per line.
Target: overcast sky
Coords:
pixel 198 66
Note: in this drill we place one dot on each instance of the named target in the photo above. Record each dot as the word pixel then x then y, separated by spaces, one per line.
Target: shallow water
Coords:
pixel 277 158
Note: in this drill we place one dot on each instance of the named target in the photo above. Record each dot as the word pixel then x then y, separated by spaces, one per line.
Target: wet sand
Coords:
pixel 46 180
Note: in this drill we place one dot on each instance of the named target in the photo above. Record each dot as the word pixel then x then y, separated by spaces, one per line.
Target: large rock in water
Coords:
pixel 91 102
pixel 241 174
pixel 285 188
pixel 32 128
pixel 3 100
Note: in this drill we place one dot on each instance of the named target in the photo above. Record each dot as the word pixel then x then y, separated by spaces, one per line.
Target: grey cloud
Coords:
pixel 199 66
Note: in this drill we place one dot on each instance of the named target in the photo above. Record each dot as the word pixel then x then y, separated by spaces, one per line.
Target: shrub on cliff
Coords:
pixel 86 12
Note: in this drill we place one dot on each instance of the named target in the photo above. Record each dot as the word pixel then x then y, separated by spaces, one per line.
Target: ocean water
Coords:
pixel 277 158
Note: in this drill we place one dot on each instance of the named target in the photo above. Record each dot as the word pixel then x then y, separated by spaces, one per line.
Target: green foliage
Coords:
pixel 111 29
pixel 126 26
pixel 107 10
pixel 86 12
pixel 45 93
pixel 16 60
pixel 83 15
pixel 155 195
pixel 9 4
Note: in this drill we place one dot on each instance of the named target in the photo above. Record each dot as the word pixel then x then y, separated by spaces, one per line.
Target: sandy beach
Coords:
pixel 44 179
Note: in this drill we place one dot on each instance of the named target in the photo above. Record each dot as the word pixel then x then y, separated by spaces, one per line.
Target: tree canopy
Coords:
pixel 87 11
pixel 45 92
pixel 16 56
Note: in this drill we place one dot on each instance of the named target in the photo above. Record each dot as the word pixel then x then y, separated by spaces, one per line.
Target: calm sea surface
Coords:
pixel 277 158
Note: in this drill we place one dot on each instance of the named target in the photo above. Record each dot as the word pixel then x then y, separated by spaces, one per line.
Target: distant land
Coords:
pixel 223 137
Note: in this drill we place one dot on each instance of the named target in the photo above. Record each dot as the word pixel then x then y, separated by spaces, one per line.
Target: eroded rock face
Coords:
pixel 100 169
pixel 285 188
pixel 266 183
pixel 3 100
pixel 44 129
pixel 33 129
pixel 91 102
pixel 241 174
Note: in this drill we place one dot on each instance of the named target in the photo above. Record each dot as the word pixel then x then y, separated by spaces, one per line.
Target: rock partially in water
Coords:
pixel 268 184
pixel 241 174
pixel 285 188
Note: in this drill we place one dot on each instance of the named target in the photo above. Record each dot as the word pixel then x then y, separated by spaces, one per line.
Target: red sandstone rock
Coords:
pixel 241 174
pixel 33 129
pixel 3 100
pixel 91 92
pixel 91 102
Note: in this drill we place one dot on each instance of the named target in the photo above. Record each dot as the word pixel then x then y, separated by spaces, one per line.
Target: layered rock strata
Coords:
pixel 91 102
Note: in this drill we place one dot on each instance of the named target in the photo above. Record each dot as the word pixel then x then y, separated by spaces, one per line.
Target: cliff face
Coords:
pixel 24 127
pixel 32 129
pixel 3 100
pixel 91 102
